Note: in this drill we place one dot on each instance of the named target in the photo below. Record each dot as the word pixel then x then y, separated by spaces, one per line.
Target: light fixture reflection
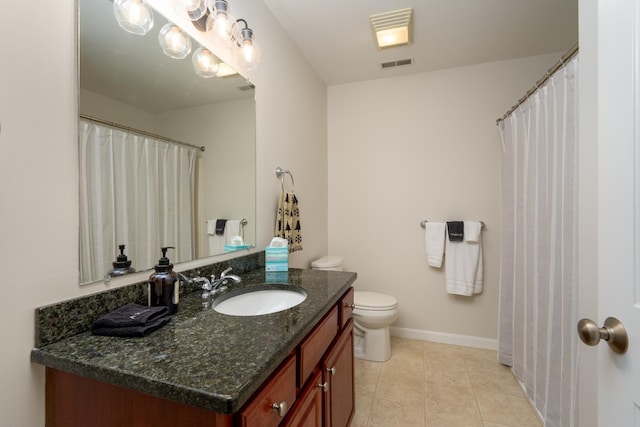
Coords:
pixel 220 23
pixel 133 16
pixel 205 63
pixel 174 42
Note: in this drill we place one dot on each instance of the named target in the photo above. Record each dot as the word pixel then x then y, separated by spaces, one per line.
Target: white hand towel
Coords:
pixel 434 237
pixel 231 229
pixel 472 230
pixel 463 273
pixel 211 227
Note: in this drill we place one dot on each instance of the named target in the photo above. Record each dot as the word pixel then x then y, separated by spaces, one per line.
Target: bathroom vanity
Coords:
pixel 290 368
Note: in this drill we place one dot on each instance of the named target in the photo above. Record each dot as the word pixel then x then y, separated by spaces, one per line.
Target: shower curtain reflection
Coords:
pixel 134 190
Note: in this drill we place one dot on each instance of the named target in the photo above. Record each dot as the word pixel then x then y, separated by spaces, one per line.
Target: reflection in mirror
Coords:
pixel 143 183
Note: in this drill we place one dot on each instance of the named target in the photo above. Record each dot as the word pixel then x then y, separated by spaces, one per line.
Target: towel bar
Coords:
pixel 423 224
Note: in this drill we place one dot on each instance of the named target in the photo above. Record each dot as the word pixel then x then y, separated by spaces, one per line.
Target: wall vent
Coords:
pixel 398 63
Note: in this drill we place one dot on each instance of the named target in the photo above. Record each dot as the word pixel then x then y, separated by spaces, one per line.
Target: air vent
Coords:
pixel 398 63
pixel 246 88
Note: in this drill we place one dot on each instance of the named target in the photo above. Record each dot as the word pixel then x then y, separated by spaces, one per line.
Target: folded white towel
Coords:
pixel 434 237
pixel 463 273
pixel 472 230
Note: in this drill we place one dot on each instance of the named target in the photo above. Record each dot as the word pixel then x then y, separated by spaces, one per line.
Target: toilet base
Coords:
pixel 372 344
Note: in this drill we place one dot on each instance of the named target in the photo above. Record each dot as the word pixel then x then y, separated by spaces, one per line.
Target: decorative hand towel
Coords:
pixel 434 236
pixel 211 227
pixel 288 221
pixel 131 320
pixel 216 241
pixel 472 230
pixel 220 223
pixel 456 231
pixel 463 270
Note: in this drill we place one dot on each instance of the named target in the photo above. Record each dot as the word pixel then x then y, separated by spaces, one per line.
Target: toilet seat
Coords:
pixel 373 301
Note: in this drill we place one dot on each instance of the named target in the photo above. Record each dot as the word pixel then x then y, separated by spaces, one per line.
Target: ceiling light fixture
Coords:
pixel 393 28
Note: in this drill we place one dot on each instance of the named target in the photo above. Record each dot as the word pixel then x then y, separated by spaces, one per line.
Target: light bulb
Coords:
pixel 220 24
pixel 205 63
pixel 248 54
pixel 195 9
pixel 133 16
pixel 174 42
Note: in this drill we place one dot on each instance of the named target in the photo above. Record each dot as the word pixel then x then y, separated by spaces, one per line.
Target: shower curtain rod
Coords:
pixel 138 131
pixel 563 60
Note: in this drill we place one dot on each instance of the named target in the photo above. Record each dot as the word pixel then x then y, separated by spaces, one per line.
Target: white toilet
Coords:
pixel 372 315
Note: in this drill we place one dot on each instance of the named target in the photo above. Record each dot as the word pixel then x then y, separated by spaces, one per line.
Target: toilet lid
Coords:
pixel 327 262
pixel 374 301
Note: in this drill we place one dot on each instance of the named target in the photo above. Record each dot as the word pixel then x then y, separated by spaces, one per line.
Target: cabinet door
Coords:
pixel 307 411
pixel 271 404
pixel 338 372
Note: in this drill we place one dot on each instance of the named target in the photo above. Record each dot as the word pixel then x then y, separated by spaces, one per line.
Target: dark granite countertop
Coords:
pixel 203 358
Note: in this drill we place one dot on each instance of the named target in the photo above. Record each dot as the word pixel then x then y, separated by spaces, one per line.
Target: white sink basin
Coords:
pixel 260 301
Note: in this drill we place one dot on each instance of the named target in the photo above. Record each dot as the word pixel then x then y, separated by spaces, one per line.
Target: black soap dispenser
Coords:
pixel 163 285
pixel 122 265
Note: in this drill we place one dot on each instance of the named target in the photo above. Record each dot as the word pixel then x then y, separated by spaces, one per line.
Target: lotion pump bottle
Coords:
pixel 163 287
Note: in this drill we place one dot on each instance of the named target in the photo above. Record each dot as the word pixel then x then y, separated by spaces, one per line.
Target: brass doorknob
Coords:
pixel 613 332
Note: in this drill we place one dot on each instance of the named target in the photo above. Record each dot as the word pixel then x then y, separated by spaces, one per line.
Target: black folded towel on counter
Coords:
pixel 220 223
pixel 456 231
pixel 131 320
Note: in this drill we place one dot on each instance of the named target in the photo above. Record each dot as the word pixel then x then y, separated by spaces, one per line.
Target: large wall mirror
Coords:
pixel 139 185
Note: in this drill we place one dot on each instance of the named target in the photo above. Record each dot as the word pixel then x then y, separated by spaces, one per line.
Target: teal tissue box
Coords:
pixel 276 259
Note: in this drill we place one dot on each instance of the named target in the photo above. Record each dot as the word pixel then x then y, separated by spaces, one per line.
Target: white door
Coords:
pixel 615 51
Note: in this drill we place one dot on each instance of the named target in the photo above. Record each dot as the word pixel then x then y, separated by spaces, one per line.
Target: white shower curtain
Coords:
pixel 134 190
pixel 538 277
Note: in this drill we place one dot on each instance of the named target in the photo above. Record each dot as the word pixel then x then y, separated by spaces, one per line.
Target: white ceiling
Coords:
pixel 336 38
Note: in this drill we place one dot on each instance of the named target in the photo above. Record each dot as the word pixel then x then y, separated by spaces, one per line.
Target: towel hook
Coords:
pixel 280 173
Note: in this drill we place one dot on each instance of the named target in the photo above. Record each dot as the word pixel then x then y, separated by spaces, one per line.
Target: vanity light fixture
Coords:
pixel 220 23
pixel 195 9
pixel 393 28
pixel 248 53
pixel 134 16
pixel 174 42
pixel 205 63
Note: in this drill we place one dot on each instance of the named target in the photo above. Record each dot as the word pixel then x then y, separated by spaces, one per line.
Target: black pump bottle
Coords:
pixel 163 288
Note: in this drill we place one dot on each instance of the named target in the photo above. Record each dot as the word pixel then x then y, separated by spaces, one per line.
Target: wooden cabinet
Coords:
pixel 330 357
pixel 308 411
pixel 269 407
pixel 339 377
pixel 313 387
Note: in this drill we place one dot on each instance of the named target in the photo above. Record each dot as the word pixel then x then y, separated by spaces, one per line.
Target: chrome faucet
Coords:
pixel 220 284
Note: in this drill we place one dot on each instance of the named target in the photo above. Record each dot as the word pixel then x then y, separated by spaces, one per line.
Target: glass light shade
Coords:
pixel 220 24
pixel 133 16
pixel 195 9
pixel 248 54
pixel 205 63
pixel 174 42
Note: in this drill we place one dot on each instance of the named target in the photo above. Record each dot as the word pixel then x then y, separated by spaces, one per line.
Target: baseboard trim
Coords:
pixel 441 337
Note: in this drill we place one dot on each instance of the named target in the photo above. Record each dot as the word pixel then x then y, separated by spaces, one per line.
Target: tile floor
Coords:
pixel 431 384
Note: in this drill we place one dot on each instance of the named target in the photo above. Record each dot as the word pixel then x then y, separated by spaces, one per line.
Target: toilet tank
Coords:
pixel 332 263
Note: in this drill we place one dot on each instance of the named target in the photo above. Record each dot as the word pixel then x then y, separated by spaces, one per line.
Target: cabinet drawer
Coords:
pixel 315 344
pixel 280 389
pixel 346 307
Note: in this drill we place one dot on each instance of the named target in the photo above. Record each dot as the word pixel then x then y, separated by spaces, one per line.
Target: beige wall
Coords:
pixel 38 171
pixel 422 147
